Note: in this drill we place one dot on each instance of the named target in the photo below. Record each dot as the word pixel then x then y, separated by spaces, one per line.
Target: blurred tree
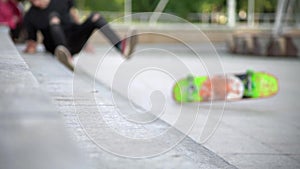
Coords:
pixel 261 6
pixel 182 8
pixel 207 6
pixel 178 7
pixel 265 6
pixel 100 5
pixel 144 5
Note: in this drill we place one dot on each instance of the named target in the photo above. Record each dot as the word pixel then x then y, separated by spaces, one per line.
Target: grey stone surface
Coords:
pixel 261 133
pixel 85 116
pixel 31 130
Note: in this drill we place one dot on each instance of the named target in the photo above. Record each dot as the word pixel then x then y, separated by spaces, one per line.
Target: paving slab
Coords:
pixel 261 133
pixel 91 122
pixel 258 129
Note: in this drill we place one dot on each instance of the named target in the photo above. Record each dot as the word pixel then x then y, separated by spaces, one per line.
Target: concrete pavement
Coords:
pixel 90 122
pixel 251 134
pixel 261 133
pixel 34 136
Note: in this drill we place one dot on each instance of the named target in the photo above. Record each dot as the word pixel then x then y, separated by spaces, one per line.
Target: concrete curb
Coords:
pixel 32 132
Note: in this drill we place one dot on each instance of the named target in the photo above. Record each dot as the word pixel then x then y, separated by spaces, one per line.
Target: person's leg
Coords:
pixel 125 46
pixel 56 30
pixel 101 23
pixel 96 21
pixel 78 35
pixel 61 51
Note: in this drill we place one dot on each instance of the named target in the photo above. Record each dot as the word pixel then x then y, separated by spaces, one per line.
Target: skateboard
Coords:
pixel 230 87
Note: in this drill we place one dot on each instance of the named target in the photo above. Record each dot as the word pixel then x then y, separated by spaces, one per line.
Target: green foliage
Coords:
pixel 261 6
pixel 242 5
pixel 144 5
pixel 265 5
pixel 206 6
pixel 100 5
pixel 182 7
pixel 178 7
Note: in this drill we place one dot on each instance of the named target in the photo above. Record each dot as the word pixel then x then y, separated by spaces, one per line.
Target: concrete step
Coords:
pixel 31 129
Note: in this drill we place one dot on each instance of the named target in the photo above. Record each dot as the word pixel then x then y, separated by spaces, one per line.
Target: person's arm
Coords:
pixel 31 42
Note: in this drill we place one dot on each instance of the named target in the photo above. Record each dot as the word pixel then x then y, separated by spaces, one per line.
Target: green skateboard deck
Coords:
pixel 225 87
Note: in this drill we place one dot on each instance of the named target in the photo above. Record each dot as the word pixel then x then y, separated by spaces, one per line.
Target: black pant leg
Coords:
pixel 107 31
pixel 78 35
pixel 58 35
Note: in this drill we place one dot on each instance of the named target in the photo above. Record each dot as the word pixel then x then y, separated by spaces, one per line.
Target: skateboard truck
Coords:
pixel 191 89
